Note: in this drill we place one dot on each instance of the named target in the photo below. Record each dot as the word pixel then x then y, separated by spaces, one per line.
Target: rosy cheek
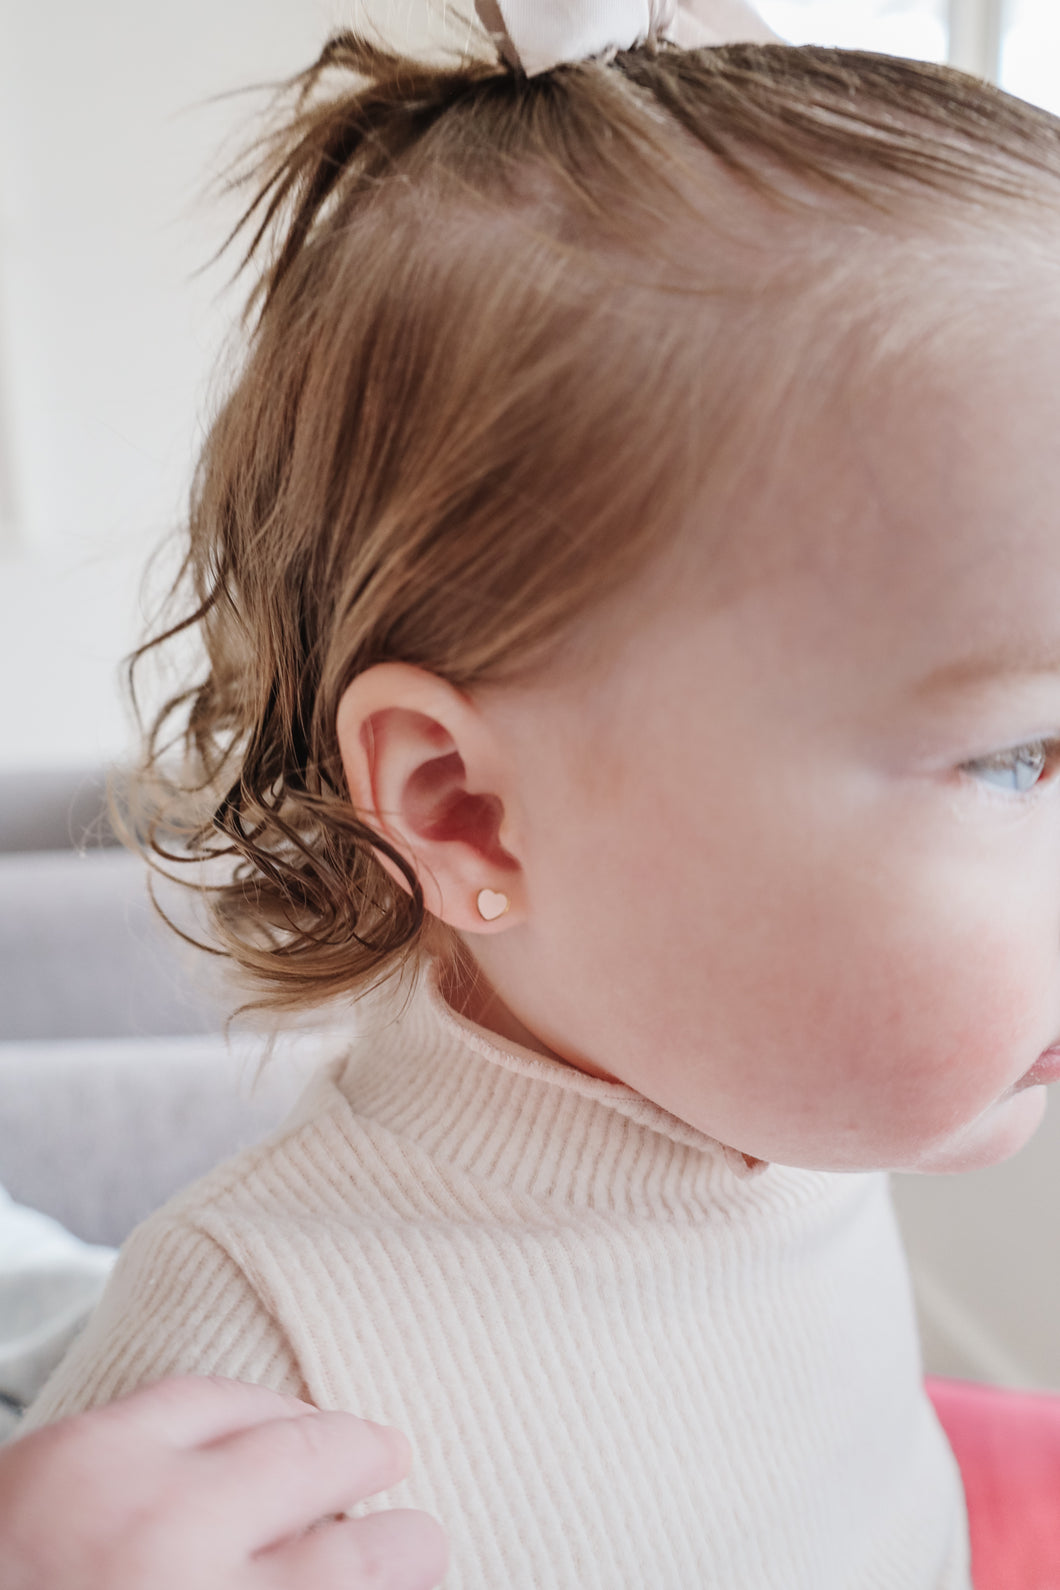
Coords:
pixel 1010 990
pixel 929 1033
pixel 980 1033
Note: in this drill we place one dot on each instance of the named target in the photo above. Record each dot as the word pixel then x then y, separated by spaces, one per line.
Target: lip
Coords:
pixel 1045 1069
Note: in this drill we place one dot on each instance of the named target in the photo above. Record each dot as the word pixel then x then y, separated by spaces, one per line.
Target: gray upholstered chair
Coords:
pixel 117 1085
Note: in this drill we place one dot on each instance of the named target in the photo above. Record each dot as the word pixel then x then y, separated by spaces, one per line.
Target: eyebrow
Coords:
pixel 964 673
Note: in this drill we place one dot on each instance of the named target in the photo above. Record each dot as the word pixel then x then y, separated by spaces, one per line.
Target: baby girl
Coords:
pixel 627 576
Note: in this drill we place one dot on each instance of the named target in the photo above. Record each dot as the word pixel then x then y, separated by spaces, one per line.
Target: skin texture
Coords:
pixel 213 1484
pixel 757 868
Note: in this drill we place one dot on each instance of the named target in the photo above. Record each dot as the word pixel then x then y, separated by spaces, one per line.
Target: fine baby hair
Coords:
pixel 503 338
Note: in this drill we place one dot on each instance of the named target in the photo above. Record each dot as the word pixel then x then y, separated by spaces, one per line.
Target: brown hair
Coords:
pixel 485 377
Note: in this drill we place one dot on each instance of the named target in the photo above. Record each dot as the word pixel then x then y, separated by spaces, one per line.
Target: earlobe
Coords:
pixel 424 769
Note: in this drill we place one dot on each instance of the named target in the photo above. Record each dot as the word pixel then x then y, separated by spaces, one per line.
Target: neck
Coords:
pixel 469 991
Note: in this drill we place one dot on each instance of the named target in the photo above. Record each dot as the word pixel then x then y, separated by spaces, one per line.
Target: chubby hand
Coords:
pixel 212 1484
pixel 720 22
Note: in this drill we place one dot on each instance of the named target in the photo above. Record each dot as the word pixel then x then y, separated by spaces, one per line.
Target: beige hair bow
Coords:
pixel 539 34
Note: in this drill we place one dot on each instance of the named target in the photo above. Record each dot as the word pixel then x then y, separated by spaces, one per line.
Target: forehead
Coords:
pixel 916 496
pixel 894 513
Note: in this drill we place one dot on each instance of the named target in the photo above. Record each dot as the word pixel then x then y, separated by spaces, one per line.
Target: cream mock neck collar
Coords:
pixel 427 1073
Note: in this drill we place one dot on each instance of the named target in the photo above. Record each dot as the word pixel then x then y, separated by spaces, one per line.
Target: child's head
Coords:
pixel 639 500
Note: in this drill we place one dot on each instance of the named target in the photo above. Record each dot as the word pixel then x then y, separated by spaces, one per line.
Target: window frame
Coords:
pixel 975 33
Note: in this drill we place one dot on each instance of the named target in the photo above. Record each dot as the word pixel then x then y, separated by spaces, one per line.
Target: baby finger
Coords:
pixel 401 1550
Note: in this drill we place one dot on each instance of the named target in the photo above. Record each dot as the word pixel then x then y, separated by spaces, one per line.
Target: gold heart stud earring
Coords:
pixel 491 904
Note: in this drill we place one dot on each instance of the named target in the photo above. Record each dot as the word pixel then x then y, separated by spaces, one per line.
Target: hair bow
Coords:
pixel 539 34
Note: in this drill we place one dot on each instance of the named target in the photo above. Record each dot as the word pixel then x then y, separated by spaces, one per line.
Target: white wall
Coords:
pixel 1030 53
pixel 107 335
pixel 895 27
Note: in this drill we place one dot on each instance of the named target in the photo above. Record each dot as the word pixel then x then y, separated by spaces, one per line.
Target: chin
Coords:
pixel 991 1138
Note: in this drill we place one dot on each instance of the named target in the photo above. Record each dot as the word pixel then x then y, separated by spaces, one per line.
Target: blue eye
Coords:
pixel 1017 770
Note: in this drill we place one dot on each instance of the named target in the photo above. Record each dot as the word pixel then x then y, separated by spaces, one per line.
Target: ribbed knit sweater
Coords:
pixel 627 1359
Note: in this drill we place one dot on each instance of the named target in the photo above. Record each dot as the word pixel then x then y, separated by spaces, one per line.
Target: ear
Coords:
pixel 426 771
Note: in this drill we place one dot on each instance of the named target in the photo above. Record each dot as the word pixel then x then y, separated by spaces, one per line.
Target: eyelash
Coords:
pixel 1041 754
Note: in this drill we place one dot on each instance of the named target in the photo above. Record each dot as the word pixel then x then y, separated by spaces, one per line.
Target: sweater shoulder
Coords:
pixel 177 1303
pixel 181 1300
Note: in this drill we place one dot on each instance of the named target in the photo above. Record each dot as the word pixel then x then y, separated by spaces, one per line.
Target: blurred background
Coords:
pixel 114 119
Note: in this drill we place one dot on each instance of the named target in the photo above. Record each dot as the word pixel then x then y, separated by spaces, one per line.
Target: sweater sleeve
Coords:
pixel 176 1304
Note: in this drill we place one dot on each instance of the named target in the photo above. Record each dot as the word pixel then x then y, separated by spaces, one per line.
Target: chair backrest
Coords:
pixel 99 1134
pixel 54 809
pixel 83 954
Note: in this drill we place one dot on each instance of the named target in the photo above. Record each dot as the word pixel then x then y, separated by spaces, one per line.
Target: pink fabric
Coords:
pixel 1007 1444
